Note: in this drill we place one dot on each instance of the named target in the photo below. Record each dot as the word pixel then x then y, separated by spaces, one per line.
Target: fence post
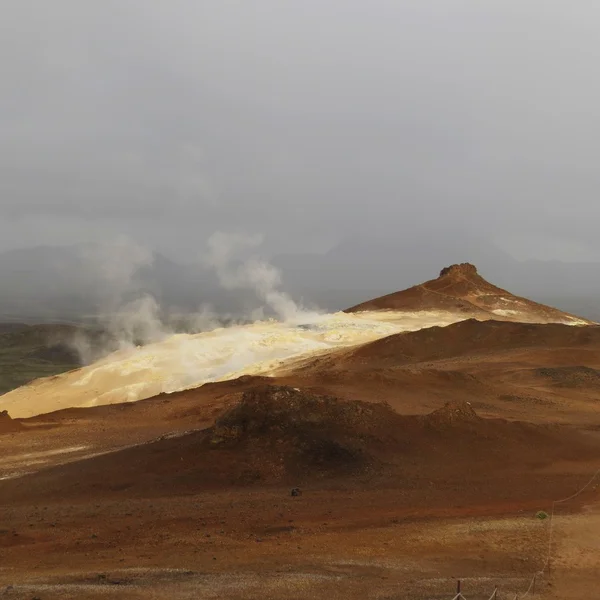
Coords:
pixel 495 596
pixel 458 586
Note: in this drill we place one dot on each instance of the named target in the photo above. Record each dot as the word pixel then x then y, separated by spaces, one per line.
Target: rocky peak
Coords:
pixel 463 269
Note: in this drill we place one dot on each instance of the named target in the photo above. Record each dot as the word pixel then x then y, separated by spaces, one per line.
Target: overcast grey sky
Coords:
pixel 304 120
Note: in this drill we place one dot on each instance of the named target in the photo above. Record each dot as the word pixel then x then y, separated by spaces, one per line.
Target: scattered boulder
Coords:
pixel 453 413
pixel 296 492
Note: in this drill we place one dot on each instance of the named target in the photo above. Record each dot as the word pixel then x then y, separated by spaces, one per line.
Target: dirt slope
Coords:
pixel 460 288
pixel 389 501
pixel 524 371
pixel 284 435
pixel 471 337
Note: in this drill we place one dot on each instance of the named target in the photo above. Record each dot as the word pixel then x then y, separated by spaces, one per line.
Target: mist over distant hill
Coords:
pixel 358 269
pixel 83 281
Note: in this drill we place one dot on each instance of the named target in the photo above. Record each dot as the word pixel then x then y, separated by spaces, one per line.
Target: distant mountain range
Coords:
pixel 70 283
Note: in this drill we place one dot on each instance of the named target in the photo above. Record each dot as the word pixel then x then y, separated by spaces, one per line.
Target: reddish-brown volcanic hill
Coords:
pixel 278 434
pixel 520 371
pixel 460 288
pixel 465 338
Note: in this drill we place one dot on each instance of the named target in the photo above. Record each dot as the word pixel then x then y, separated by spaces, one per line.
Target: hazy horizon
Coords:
pixel 367 146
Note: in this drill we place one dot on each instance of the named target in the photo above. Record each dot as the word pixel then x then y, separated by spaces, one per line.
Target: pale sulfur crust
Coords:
pixel 186 361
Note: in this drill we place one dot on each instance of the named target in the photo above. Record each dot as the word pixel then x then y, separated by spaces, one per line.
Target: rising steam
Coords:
pixel 230 255
pixel 129 316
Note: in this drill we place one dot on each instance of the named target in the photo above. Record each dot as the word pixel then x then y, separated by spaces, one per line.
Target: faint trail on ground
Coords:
pixel 546 568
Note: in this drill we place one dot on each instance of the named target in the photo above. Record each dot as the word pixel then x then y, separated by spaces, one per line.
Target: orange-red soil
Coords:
pixel 420 458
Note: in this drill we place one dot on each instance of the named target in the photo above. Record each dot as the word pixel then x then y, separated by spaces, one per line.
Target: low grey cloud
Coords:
pixel 304 121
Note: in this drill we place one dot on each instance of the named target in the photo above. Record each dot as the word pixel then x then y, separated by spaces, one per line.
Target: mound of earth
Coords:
pixel 304 431
pixel 8 425
pixel 467 337
pixel 460 288
pixel 281 435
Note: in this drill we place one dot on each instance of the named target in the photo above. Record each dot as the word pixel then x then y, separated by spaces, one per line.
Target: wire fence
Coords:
pixel 497 595
pixel 545 570
pixel 494 596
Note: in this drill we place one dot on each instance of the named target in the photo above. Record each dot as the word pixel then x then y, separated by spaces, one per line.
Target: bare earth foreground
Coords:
pixel 422 457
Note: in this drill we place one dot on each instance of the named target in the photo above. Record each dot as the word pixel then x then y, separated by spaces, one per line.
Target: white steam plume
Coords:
pixel 130 316
pixel 115 265
pixel 230 257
